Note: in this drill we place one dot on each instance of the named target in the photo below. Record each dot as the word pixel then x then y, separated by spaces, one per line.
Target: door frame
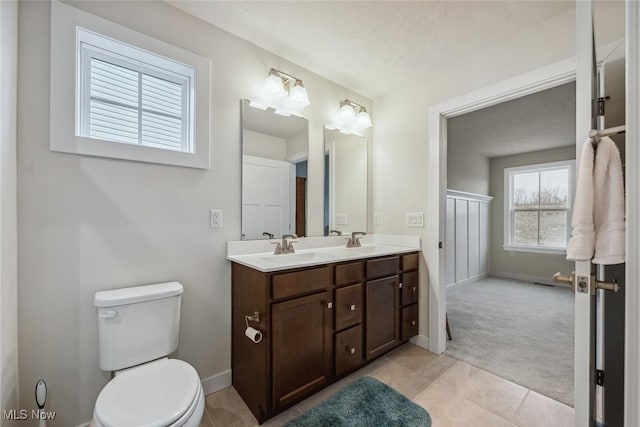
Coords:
pixel 543 78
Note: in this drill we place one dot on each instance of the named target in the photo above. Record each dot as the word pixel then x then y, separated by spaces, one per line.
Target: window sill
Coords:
pixel 535 250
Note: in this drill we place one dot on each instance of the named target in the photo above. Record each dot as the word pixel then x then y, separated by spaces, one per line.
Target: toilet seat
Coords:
pixel 158 394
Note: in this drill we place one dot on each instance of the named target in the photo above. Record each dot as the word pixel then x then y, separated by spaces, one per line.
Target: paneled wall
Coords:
pixel 467 230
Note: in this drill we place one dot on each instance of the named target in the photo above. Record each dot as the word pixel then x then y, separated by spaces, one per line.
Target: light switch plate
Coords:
pixel 341 219
pixel 215 218
pixel 415 219
pixel 376 218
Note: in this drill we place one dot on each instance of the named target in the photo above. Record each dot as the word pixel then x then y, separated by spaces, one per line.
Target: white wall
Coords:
pixel 400 148
pixel 8 227
pixel 262 145
pixel 88 224
pixel 467 171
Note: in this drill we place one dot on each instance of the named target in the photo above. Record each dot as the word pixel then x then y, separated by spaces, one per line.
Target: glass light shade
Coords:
pixel 347 112
pixel 299 96
pixel 273 86
pixel 364 120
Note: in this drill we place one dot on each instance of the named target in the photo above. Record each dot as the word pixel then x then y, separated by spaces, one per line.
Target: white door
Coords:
pixel 266 197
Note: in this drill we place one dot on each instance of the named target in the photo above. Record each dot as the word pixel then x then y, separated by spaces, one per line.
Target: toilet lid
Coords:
pixel 155 394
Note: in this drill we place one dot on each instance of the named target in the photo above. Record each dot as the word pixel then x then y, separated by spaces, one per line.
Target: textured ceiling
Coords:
pixel 535 122
pixel 371 47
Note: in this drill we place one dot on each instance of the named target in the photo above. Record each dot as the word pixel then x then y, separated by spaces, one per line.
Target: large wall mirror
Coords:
pixel 274 173
pixel 345 201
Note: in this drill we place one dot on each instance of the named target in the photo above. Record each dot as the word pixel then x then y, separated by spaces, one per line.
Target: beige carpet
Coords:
pixel 519 331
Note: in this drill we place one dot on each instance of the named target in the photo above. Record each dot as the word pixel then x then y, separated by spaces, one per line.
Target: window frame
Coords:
pixel 509 212
pixel 65 77
pixel 91 45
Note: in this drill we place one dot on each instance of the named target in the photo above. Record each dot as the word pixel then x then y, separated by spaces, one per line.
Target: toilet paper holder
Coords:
pixel 254 335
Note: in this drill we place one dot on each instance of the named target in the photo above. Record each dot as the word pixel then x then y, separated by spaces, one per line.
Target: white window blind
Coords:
pixel 133 96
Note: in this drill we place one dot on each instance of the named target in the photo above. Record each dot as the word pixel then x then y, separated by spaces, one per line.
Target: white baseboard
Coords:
pixel 216 382
pixel 522 277
pixel 469 280
pixel 420 341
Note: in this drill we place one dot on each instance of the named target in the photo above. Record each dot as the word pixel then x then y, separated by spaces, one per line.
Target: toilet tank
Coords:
pixel 137 324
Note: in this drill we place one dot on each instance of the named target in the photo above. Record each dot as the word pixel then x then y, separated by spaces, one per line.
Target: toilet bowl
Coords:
pixel 137 329
pixel 163 393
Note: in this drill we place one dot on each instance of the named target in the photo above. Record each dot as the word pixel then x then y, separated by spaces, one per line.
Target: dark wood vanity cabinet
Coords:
pixel 318 323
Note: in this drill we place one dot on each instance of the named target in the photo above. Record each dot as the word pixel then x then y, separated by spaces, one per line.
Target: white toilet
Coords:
pixel 137 328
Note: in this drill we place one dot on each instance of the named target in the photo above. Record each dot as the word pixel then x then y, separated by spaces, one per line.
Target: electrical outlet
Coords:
pixel 215 218
pixel 415 219
pixel 376 218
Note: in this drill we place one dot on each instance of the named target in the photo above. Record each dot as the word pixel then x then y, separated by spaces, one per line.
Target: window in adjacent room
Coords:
pixel 538 207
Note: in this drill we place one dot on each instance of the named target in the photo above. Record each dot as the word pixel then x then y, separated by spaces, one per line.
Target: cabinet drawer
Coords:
pixel 381 267
pixel 348 303
pixel 348 350
pixel 349 273
pixel 300 282
pixel 409 287
pixel 409 262
pixel 409 322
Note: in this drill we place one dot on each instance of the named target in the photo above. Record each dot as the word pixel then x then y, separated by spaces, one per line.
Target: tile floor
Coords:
pixel 454 393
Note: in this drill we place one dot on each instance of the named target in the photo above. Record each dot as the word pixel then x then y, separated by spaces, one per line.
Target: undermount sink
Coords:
pixel 297 258
pixel 363 250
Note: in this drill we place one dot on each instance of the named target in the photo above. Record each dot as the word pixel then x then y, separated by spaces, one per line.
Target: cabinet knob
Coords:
pixel 330 304
pixel 351 350
pixel 413 323
pixel 413 288
pixel 400 285
pixel 352 307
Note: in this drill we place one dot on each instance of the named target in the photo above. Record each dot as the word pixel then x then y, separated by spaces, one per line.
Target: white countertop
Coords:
pixel 310 251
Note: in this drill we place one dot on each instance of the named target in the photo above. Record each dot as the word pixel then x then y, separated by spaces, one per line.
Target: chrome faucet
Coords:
pixel 286 246
pixel 336 232
pixel 354 241
pixel 268 235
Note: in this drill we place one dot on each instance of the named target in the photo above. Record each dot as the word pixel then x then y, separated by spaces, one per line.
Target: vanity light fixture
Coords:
pixel 285 92
pixel 353 117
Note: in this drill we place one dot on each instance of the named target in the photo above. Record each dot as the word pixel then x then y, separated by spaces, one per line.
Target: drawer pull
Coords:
pixel 330 305
pixel 413 288
pixel 352 307
pixel 351 350
pixel 413 323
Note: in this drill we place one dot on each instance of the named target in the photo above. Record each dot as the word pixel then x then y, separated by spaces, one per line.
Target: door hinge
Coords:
pixel 601 105
pixel 599 377
pixel 439 245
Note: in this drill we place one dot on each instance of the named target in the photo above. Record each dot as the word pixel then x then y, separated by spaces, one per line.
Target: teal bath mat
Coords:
pixel 365 403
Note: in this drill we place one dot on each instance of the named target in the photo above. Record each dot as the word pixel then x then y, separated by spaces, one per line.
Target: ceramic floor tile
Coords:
pixel 206 420
pixel 226 408
pixel 450 409
pixel 401 378
pixel 323 395
pixel 421 361
pixel 498 395
pixel 282 418
pixel 540 411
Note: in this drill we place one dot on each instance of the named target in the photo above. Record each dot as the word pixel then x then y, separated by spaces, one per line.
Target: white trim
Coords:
pixel 469 280
pixel 534 249
pixel 420 341
pixel 298 157
pixel 455 194
pixel 632 278
pixel 535 81
pixel 62 118
pixel 216 382
pixel 522 277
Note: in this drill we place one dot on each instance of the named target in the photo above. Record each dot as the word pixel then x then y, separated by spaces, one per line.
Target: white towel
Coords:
pixel 608 204
pixel 582 243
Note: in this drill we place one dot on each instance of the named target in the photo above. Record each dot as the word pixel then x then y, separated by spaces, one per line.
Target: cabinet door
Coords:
pixel 409 288
pixel 302 347
pixel 383 327
pixel 348 306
